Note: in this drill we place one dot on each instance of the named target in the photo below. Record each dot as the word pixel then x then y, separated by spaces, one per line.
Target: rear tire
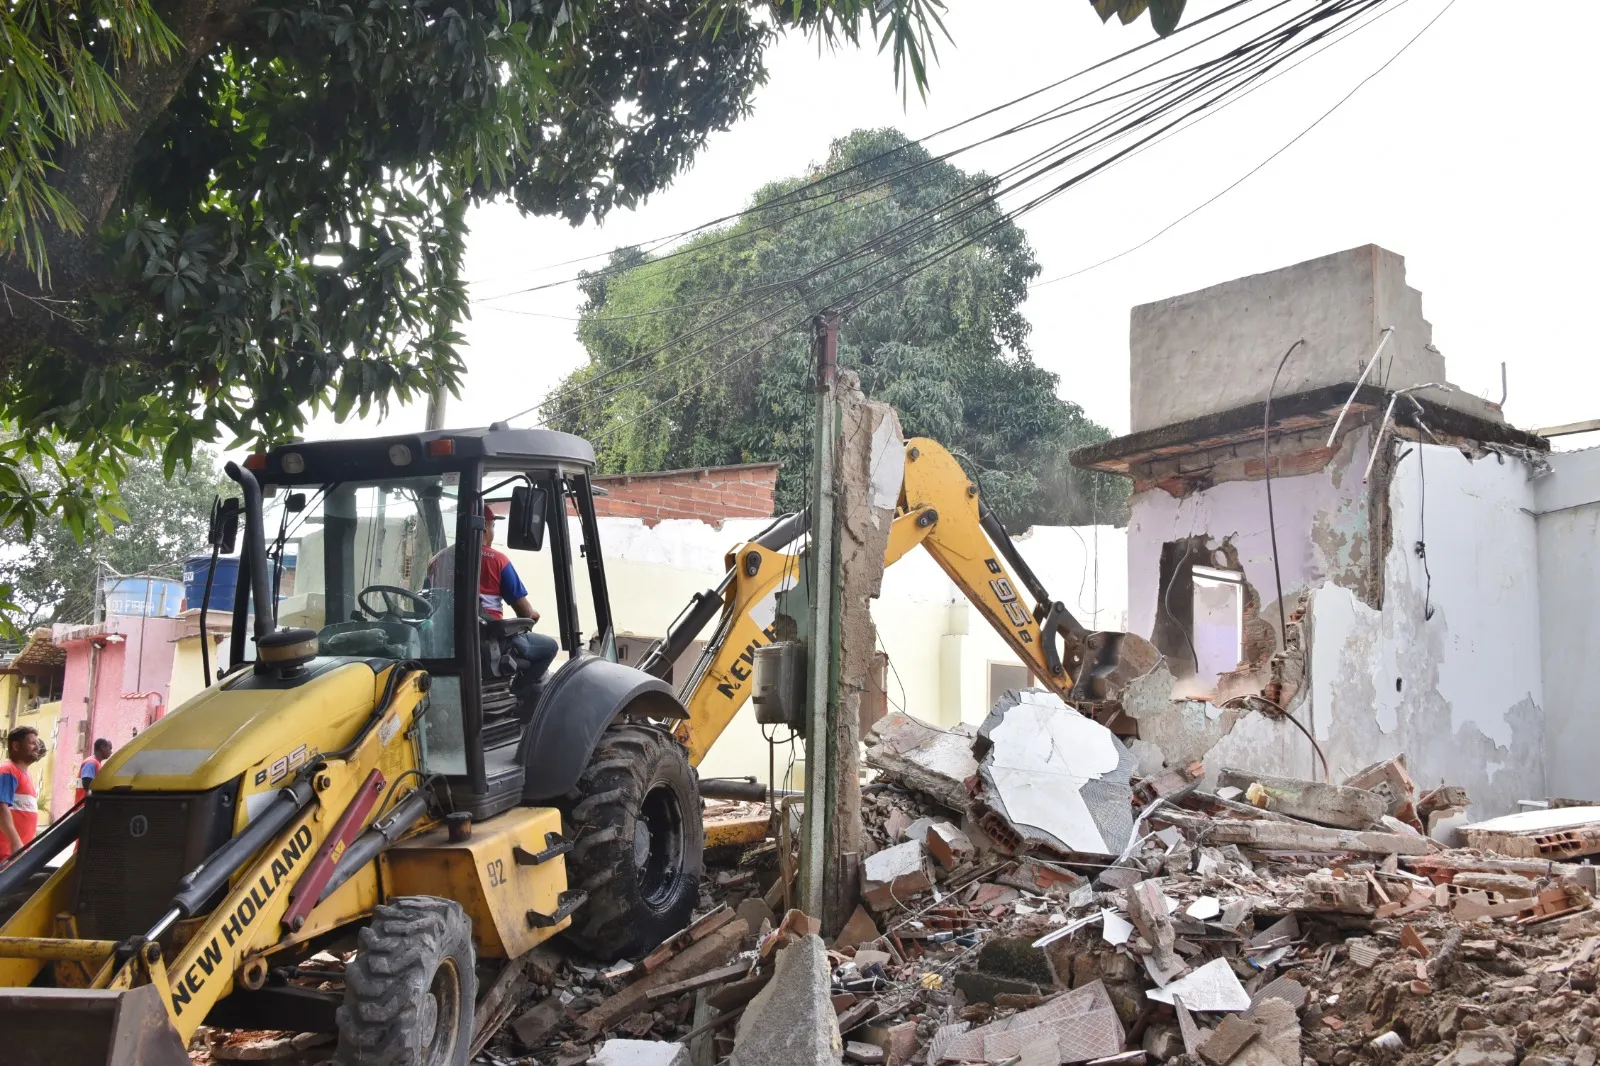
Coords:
pixel 638 843
pixel 409 993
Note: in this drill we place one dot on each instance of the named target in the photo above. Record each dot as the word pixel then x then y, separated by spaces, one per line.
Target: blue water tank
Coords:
pixel 153 597
pixel 195 569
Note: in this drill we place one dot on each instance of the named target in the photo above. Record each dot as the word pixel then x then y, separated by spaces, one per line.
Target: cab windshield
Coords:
pixel 367 564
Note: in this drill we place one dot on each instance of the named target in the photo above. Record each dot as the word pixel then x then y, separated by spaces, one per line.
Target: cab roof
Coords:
pixel 339 460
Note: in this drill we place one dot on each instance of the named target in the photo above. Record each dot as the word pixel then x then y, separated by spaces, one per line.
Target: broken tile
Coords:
pixel 1212 987
pixel 1204 908
pixel 860 929
pixel 1115 928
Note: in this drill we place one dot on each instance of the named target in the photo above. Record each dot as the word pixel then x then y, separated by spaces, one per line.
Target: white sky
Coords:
pixel 1467 156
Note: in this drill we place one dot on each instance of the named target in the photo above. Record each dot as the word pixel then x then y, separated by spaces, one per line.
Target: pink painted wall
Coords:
pixel 132 687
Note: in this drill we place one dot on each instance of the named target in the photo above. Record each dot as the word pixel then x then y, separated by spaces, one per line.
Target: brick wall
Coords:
pixel 709 493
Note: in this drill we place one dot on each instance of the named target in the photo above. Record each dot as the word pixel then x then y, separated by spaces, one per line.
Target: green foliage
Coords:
pixel 947 347
pixel 220 216
pixel 1164 14
pixel 51 571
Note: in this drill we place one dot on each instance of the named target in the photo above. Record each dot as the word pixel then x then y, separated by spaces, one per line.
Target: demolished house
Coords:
pixel 1322 525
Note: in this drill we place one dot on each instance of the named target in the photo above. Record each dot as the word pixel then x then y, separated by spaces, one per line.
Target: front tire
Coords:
pixel 409 993
pixel 638 843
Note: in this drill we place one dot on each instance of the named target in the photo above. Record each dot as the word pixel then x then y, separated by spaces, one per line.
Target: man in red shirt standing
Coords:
pixel 91 767
pixel 19 799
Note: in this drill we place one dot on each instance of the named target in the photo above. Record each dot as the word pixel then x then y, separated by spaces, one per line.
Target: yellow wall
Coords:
pixel 187 675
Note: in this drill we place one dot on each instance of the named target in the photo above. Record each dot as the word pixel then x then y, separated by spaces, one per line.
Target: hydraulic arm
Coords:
pixel 939 508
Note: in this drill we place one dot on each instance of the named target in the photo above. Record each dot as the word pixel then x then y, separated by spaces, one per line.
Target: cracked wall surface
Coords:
pixel 1459 692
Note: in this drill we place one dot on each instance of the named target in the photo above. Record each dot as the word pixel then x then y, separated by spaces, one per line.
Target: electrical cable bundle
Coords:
pixel 1102 127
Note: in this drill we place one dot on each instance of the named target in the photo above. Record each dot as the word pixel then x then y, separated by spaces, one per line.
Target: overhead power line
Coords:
pixel 1172 102
pixel 1212 75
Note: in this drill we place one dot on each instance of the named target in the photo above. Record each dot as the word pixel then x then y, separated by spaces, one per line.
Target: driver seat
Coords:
pixel 510 692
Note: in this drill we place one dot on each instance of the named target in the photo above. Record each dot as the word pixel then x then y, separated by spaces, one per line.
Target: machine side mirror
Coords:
pixel 528 514
pixel 224 531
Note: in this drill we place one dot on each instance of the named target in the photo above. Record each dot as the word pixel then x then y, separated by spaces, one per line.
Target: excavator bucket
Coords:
pixel 87 1027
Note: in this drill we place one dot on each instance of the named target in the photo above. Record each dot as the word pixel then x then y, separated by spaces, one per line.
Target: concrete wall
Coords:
pixel 1216 349
pixel 1567 505
pixel 1460 693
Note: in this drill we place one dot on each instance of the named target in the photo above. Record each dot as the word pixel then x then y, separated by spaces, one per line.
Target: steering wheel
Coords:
pixel 395 603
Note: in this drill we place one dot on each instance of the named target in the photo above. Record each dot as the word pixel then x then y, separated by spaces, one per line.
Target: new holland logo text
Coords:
pixel 233 930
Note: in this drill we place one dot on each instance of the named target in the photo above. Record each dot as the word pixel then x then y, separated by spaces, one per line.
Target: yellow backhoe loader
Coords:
pixel 939 508
pixel 371 772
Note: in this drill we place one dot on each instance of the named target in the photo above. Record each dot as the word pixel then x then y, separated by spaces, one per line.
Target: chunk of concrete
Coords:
pixel 1486 1047
pixel 1051 778
pixel 919 756
pixel 949 846
pixel 640 1053
pixel 894 875
pixel 533 1025
pixel 792 1019
pixel 1336 806
pixel 1227 1040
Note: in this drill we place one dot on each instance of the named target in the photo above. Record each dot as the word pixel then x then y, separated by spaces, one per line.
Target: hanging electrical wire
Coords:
pixel 1241 65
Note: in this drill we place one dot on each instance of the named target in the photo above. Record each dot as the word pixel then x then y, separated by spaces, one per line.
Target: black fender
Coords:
pixel 585 696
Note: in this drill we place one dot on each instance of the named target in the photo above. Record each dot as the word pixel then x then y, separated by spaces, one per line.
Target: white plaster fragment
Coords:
pixel 1213 986
pixel 1043 754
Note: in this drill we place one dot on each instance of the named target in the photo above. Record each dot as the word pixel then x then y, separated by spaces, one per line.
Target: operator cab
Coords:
pixel 387 536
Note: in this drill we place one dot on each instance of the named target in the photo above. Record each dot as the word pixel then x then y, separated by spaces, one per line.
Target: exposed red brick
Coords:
pixel 710 494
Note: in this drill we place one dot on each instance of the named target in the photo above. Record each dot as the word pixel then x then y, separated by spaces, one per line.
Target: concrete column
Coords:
pixel 868 473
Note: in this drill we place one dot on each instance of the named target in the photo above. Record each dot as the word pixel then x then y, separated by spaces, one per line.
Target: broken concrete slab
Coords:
pixel 1512 886
pixel 1558 833
pixel 1227 1040
pixel 933 761
pixel 1290 836
pixel 1054 778
pixel 640 1053
pixel 1337 806
pixel 792 1019
pixel 893 875
pixel 1279 1022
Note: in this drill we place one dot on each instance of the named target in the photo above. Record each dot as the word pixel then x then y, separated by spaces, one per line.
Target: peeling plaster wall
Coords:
pixel 1322 532
pixel 1467 710
pixel 1568 505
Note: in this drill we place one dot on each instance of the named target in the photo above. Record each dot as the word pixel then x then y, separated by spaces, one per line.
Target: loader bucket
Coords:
pixel 88 1027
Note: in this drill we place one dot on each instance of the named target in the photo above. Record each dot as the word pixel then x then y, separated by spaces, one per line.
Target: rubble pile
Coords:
pixel 1026 900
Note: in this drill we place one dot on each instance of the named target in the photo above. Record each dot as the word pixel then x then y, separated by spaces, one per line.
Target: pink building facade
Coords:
pixel 118 682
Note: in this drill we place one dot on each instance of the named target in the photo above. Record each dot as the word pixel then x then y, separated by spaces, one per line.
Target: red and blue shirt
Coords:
pixel 497 579
pixel 18 793
pixel 86 772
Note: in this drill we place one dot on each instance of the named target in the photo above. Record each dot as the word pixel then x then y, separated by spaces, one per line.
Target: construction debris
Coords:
pixel 1051 779
pixel 1200 929
pixel 1339 806
pixel 792 1019
pixel 1559 833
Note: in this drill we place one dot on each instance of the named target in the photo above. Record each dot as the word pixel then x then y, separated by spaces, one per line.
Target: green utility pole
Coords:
pixel 821 641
